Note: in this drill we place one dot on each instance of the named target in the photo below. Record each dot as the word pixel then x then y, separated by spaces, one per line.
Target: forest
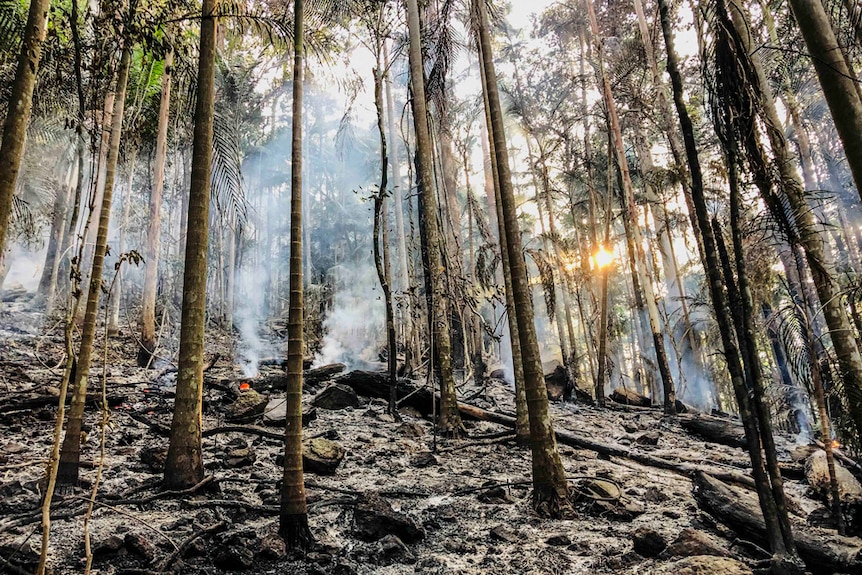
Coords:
pixel 431 286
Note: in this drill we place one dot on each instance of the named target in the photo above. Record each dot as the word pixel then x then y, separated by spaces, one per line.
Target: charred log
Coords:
pixel 715 430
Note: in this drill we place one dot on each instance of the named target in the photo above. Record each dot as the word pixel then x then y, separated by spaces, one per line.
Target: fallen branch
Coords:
pixel 252 429
pixel 168 561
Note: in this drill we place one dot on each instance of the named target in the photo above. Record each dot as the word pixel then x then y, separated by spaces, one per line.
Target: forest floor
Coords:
pixel 457 506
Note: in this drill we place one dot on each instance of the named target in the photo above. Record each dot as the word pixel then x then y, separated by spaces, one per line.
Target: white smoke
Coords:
pixel 355 324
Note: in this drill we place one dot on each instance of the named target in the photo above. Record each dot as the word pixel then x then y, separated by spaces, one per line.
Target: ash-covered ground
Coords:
pixel 401 500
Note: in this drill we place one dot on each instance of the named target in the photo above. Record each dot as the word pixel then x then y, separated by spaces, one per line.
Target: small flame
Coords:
pixel 836 444
pixel 243 386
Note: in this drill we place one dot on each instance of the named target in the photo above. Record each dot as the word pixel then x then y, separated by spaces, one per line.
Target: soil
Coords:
pixel 469 499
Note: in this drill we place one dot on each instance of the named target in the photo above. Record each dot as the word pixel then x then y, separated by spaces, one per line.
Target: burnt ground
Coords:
pixel 456 506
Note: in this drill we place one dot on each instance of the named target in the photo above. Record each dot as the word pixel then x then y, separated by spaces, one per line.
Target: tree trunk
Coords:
pixel 522 429
pixel 151 256
pixel 293 513
pixel 550 489
pixel 837 81
pixel 70 453
pixel 631 216
pixel 450 419
pixel 716 289
pixel 20 104
pixel 184 463
pixel 48 281
pixel 116 295
pixel 810 236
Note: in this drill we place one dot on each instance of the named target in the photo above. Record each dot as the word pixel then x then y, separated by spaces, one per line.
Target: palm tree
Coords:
pixel 293 513
pixel 20 104
pixel 550 487
pixel 450 418
pixel 184 464
pixel 70 453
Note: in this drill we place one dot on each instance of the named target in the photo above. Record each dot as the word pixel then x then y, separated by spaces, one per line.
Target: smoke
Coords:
pixel 248 311
pixel 355 325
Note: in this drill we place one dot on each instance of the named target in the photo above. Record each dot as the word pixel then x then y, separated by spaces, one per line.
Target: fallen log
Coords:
pixel 376 384
pixel 610 450
pixel 822 551
pixel 630 397
pixel 849 488
pixel 714 429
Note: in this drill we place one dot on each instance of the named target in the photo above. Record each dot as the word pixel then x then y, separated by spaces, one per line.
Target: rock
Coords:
pixel 648 438
pixel 108 545
pixel 498 373
pixel 561 540
pixel 248 406
pixel 410 429
pixel 321 456
pixel 496 495
pixel 275 413
pixel 239 457
pixel 423 460
pixel 392 547
pixel 374 518
pixel 705 565
pixel 655 495
pixel 271 547
pixel 630 426
pixel 648 542
pixel 691 542
pixel 336 396
pixel 558 384
pixel 140 546
pixel 234 558
pixel 504 534
pixel 154 458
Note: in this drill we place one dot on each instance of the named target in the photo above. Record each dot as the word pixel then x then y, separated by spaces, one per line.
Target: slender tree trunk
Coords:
pixel 151 257
pixel 48 280
pixel 522 428
pixel 20 104
pixel 810 235
pixel 836 79
pixel 116 295
pixel 631 212
pixel 70 453
pixel 550 489
pixel 716 289
pixel 293 514
pixel 450 418
pixel 184 463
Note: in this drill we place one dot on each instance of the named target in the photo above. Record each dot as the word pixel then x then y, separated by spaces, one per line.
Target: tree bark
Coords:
pixel 293 513
pixel 20 104
pixel 151 256
pixel 450 419
pixel 550 489
pixel 184 463
pixel 70 452
pixel 836 80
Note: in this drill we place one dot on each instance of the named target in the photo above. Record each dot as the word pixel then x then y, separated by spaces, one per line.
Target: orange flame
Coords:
pixel 243 386
pixel 835 444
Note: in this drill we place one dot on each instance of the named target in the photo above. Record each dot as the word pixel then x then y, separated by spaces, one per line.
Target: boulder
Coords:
pixel 275 413
pixel 140 546
pixel 648 438
pixel 321 456
pixel 336 396
pixel 374 518
pixel 705 565
pixel 247 406
pixel 690 543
